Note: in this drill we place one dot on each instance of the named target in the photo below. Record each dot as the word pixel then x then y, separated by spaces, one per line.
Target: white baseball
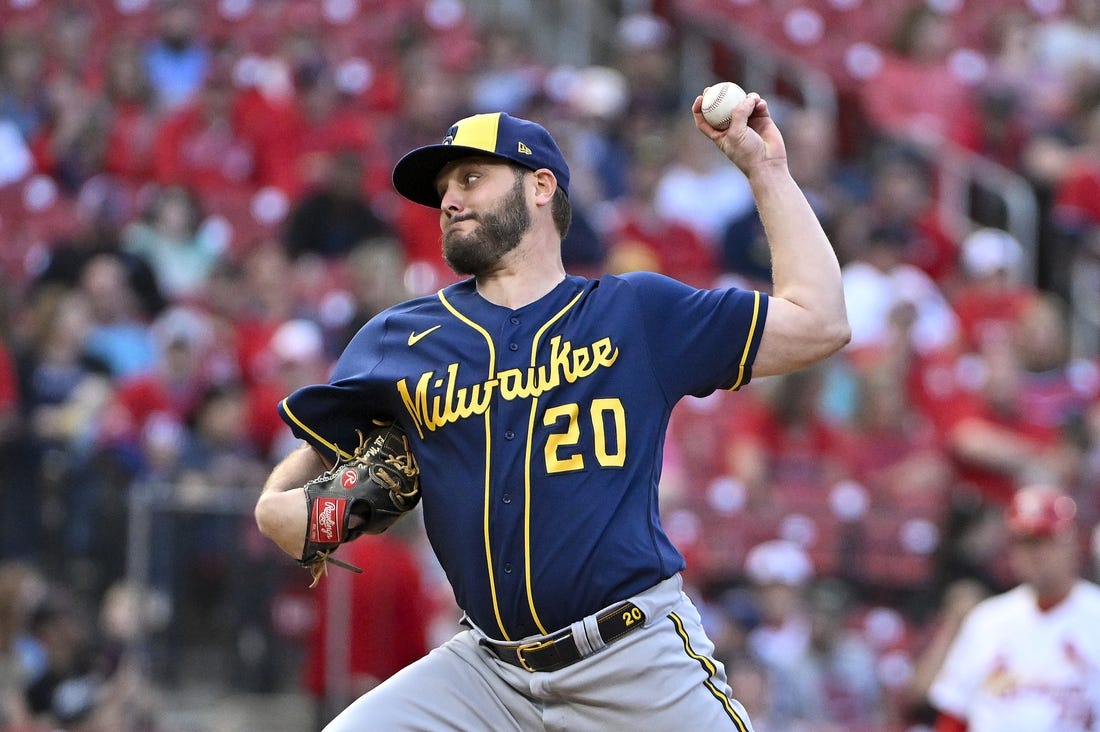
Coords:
pixel 719 101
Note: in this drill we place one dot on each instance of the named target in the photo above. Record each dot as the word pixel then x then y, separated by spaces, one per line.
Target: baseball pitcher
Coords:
pixel 531 409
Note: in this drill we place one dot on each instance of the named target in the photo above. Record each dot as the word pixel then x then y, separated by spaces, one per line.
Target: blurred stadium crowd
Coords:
pixel 195 215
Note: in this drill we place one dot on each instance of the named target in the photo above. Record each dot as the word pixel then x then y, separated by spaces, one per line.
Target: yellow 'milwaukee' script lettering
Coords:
pixel 434 402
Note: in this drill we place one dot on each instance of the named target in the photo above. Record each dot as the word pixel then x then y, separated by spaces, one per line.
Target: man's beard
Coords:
pixel 499 232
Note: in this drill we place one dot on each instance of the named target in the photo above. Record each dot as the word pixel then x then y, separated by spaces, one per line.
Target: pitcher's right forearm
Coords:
pixel 294 470
pixel 282 517
pixel 281 509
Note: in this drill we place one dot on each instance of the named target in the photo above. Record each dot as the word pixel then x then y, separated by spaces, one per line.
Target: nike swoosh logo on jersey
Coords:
pixel 414 337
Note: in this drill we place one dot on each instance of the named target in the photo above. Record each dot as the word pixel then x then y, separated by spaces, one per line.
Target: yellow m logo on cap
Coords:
pixel 524 149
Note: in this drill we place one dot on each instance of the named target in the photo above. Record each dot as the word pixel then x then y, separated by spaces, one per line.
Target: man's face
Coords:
pixel 1047 563
pixel 479 225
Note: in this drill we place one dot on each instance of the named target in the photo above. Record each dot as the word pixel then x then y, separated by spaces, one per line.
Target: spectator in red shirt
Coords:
pixel 903 198
pixel 1006 420
pixel 992 295
pixel 134 119
pixel 169 392
pixel 319 122
pixel 1077 196
pixel 72 148
pixel 73 47
pixel 205 144
pixel 917 92
pixel 994 126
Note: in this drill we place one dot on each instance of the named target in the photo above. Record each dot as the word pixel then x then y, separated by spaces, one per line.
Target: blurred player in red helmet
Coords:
pixel 1029 659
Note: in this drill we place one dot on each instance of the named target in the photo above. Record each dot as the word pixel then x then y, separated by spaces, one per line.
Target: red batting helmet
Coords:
pixel 1040 510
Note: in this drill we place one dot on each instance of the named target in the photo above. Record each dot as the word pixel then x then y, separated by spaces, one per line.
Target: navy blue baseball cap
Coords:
pixel 497 135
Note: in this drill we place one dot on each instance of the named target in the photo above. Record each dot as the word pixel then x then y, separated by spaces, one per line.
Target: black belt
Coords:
pixel 560 649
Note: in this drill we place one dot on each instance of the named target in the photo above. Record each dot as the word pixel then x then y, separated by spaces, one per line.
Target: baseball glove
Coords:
pixel 364 494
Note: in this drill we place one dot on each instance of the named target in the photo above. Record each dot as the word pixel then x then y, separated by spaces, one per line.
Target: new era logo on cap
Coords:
pixel 496 135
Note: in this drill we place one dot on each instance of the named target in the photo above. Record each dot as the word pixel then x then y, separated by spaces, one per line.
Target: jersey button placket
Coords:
pixel 508 493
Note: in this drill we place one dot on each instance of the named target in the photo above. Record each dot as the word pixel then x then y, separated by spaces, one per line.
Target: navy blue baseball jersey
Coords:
pixel 539 431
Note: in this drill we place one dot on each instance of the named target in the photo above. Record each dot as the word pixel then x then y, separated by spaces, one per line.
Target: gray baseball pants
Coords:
pixel 661 676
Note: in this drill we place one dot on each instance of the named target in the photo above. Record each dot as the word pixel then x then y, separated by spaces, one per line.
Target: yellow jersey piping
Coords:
pixel 488 471
pixel 748 341
pixel 527 469
pixel 330 445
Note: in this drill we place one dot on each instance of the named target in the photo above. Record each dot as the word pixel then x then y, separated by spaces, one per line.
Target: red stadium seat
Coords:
pixel 889 553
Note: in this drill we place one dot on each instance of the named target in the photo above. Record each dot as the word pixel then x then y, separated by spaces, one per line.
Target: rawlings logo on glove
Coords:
pixel 324 529
pixel 365 494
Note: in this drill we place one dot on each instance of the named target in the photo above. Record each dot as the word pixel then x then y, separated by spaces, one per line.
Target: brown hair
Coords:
pixel 562 211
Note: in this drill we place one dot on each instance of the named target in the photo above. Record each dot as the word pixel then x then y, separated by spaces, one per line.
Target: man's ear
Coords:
pixel 545 185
